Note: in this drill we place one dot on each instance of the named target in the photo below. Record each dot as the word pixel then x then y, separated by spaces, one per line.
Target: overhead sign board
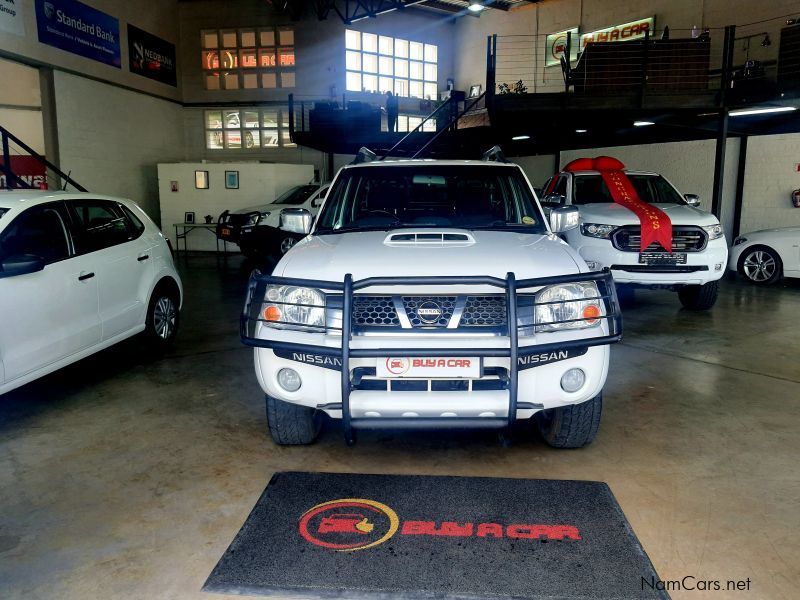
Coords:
pixel 152 57
pixel 556 46
pixel 11 19
pixel 78 28
pixel 620 33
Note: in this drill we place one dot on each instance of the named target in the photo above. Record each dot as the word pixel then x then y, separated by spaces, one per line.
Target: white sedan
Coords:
pixel 763 257
pixel 78 273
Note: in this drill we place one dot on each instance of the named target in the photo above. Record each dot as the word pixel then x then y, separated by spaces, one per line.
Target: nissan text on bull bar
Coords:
pixel 637 224
pixel 432 294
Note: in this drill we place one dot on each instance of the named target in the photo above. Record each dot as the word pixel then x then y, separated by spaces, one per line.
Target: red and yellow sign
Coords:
pixel 620 33
pixel 351 524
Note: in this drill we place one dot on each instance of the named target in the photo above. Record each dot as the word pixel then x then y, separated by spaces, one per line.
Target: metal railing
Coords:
pixel 14 180
pixel 256 303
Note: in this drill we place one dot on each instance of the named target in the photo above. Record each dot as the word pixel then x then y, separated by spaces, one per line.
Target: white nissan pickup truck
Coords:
pixel 609 236
pixel 432 294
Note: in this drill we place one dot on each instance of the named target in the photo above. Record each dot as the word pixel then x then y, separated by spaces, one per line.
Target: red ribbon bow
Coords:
pixel 655 224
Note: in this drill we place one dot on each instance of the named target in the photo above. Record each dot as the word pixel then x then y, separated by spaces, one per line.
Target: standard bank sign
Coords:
pixel 75 27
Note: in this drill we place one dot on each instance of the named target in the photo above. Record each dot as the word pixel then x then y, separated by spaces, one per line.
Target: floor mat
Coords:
pixel 326 535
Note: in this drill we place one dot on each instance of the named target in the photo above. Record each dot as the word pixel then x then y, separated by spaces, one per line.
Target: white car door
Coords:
pixel 50 314
pixel 120 257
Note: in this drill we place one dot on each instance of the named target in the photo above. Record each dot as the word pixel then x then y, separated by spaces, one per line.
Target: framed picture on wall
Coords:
pixel 188 217
pixel 231 180
pixel 201 180
pixel 475 90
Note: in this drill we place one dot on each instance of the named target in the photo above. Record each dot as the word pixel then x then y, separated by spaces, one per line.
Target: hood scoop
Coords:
pixel 429 238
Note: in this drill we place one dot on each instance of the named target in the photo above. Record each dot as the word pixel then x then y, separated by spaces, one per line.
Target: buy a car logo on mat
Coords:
pixel 350 524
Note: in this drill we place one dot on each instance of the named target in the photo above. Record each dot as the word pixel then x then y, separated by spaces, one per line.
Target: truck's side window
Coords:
pixel 558 196
pixel 39 231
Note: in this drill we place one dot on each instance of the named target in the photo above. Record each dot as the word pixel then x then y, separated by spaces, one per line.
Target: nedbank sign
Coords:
pixel 11 18
pixel 78 28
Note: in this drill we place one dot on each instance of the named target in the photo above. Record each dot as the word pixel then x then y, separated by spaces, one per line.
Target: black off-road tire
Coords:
pixel 572 426
pixel 292 424
pixel 768 253
pixel 699 297
pixel 163 316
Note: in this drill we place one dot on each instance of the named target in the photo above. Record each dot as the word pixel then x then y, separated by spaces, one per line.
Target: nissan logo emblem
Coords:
pixel 429 312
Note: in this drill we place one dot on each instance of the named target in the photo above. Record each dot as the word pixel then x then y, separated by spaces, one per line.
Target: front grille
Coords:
pixel 238 219
pixel 684 239
pixel 374 311
pixel 484 311
pixel 436 312
pixel 415 304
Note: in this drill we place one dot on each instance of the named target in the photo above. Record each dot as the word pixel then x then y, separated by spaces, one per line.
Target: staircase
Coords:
pixel 26 169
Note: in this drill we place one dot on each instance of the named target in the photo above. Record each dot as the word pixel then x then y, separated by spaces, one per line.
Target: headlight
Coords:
pixel 714 231
pixel 258 218
pixel 568 306
pixel 596 230
pixel 294 306
pixel 739 240
pixel 263 217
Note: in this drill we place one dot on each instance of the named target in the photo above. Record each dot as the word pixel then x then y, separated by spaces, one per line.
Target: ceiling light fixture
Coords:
pixel 519 138
pixel 761 111
pixel 642 123
pixel 476 6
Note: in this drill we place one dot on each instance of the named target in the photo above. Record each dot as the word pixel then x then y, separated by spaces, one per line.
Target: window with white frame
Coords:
pixel 379 63
pixel 247 128
pixel 234 59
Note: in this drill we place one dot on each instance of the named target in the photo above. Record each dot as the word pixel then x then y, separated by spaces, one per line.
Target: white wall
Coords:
pixel 771 175
pixel 258 184
pixel 111 138
pixel 537 168
pixel 21 104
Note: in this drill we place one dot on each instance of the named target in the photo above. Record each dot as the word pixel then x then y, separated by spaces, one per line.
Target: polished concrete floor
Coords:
pixel 126 476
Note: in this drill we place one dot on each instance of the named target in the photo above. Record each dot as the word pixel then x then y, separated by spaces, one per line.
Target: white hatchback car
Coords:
pixel 78 273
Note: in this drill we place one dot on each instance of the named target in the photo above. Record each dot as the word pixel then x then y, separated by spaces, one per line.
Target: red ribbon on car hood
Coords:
pixel 656 226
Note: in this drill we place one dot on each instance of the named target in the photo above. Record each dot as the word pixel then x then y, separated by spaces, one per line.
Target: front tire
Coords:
pixel 163 317
pixel 292 424
pixel 699 297
pixel 760 265
pixel 572 426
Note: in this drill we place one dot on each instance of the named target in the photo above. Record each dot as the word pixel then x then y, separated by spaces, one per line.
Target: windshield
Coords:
pixel 591 189
pixel 460 196
pixel 297 195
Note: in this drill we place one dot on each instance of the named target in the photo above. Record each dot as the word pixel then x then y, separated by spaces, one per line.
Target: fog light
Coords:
pixel 573 380
pixel 594 266
pixel 718 267
pixel 289 380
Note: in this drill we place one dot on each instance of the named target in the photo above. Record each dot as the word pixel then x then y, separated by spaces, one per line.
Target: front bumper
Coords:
pixel 700 268
pixel 332 364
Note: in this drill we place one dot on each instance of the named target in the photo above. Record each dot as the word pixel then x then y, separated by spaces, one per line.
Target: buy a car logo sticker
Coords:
pixel 348 524
pixel 351 524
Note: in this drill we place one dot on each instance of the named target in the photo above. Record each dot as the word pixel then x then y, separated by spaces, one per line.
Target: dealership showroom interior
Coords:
pixel 444 299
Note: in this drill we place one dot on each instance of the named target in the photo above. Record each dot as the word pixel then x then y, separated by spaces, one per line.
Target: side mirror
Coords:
pixel 692 199
pixel 564 218
pixel 21 264
pixel 296 220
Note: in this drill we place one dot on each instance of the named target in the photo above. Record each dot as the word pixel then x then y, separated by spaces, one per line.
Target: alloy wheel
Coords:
pixel 759 266
pixel 164 317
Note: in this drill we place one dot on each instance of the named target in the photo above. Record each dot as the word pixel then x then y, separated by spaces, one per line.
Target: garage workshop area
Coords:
pixel 399 299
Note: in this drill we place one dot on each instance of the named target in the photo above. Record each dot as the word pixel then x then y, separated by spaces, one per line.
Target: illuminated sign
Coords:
pixel 620 33
pixel 556 46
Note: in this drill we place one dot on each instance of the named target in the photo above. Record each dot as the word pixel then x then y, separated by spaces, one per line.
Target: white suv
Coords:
pixel 432 294
pixel 78 273
pixel 609 235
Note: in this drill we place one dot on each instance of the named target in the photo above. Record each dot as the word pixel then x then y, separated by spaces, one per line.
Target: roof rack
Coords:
pixel 364 155
pixel 494 154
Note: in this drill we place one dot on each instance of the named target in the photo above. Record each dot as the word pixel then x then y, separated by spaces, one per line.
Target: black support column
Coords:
pixel 719 162
pixel 740 175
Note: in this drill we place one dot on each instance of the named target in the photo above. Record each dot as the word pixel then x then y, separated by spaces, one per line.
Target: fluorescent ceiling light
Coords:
pixel 518 138
pixel 580 131
pixel 761 111
pixel 642 123
pixel 476 6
